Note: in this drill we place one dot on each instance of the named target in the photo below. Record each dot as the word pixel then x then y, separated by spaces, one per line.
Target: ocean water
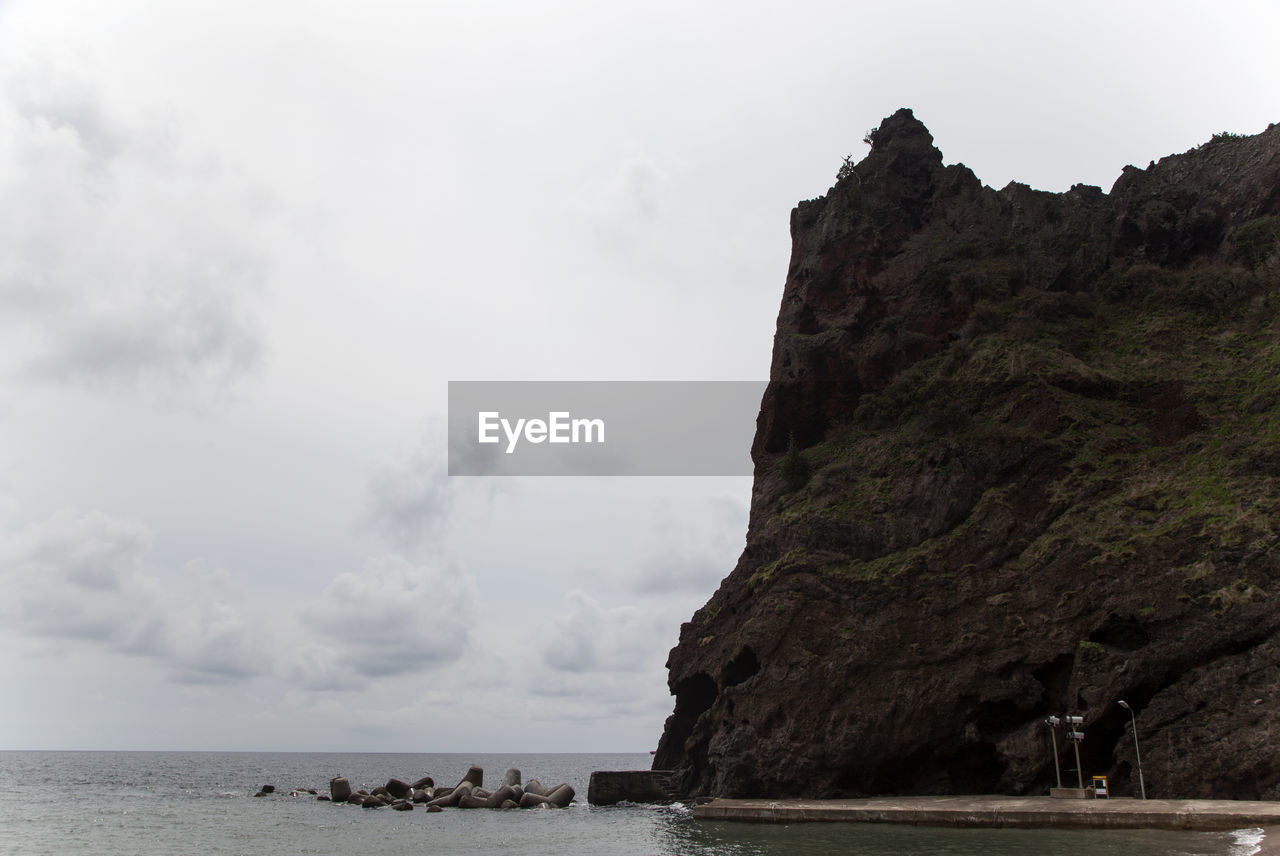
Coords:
pixel 139 803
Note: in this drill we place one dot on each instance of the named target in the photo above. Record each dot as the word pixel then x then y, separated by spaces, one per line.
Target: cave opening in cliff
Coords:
pixel 975 768
pixel 694 696
pixel 1124 633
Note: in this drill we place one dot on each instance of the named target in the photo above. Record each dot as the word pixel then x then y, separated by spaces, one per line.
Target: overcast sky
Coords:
pixel 244 246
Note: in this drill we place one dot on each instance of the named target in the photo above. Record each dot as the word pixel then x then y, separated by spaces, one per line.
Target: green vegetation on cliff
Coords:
pixel 1159 410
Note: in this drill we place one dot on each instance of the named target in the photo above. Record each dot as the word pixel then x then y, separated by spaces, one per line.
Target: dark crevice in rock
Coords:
pixel 1144 691
pixel 1055 677
pixel 741 667
pixel 1125 633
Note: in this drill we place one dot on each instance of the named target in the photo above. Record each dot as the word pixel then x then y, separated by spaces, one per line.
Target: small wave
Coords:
pixel 1246 842
pixel 665 808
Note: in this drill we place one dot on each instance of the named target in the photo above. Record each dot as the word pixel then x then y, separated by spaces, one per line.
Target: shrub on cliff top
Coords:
pixel 846 169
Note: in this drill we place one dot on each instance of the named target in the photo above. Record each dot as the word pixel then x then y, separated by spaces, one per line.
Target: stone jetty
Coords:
pixel 1002 811
pixel 610 787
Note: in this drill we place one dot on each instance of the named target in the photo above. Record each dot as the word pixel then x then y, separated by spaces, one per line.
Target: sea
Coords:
pixel 138 803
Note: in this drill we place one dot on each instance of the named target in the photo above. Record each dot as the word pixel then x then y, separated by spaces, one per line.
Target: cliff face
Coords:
pixel 1019 456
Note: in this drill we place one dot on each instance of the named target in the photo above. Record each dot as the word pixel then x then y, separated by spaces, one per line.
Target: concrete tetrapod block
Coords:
pixel 532 800
pixel 559 797
pixel 339 789
pixel 506 793
pixel 455 794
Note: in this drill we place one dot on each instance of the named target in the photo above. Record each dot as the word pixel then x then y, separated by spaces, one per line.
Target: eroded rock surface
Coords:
pixel 1019 456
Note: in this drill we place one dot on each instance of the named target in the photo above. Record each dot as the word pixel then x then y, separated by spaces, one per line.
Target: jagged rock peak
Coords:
pixel 905 134
pixel 903 161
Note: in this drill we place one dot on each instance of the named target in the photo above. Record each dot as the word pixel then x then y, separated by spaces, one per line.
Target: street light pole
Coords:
pixel 1075 735
pixel 1053 722
pixel 1136 753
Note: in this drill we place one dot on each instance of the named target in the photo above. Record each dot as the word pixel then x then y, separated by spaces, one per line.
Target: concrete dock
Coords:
pixel 1002 811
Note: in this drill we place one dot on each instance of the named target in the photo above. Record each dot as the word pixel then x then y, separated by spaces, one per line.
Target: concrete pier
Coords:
pixel 609 787
pixel 1002 811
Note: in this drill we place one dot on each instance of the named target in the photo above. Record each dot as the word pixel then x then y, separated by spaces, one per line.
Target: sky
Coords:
pixel 244 247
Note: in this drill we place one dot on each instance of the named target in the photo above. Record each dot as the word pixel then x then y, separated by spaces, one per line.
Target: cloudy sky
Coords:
pixel 244 246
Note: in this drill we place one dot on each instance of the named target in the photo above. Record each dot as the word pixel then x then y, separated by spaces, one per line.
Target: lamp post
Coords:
pixel 1136 753
pixel 1053 722
pixel 1075 735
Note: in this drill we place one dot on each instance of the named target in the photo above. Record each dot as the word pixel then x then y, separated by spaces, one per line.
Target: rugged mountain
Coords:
pixel 1019 456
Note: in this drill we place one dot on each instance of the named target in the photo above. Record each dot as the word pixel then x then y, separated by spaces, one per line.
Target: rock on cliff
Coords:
pixel 1019 456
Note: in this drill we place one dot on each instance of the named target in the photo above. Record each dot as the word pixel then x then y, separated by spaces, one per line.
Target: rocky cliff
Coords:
pixel 1019 456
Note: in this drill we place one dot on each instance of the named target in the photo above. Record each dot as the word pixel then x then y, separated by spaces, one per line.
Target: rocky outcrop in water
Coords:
pixel 468 793
pixel 1019 456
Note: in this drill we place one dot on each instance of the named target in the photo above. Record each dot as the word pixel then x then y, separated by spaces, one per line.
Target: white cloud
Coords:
pixel 697 550
pixel 77 577
pixel 84 578
pixel 408 504
pixel 589 637
pixel 634 197
pixel 128 256
pixel 394 618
